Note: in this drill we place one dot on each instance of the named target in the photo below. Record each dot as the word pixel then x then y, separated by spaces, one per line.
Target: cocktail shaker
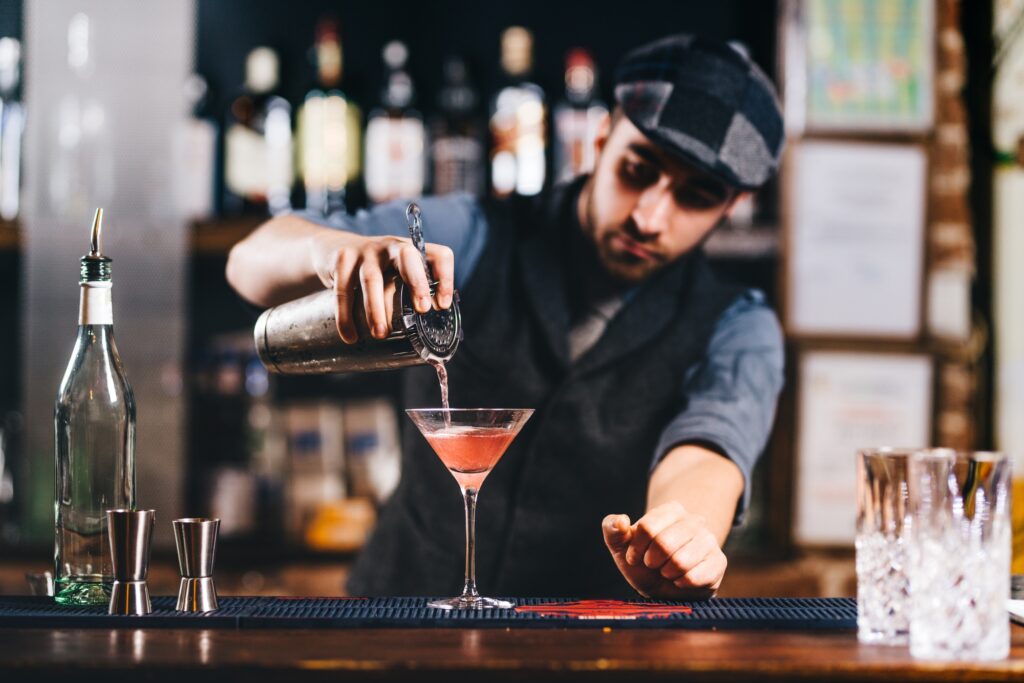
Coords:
pixel 301 338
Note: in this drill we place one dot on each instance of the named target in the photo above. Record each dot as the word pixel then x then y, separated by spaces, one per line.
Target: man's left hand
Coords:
pixel 668 553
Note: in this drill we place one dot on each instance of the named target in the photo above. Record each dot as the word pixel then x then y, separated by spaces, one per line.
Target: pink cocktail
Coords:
pixel 470 441
pixel 470 453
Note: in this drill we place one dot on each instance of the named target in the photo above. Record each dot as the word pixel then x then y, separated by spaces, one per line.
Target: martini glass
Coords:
pixel 470 441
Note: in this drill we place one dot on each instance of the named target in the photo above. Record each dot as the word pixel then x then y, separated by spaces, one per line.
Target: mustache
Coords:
pixel 632 231
pixel 648 242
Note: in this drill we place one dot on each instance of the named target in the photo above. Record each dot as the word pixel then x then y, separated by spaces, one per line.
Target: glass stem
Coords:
pixel 469 589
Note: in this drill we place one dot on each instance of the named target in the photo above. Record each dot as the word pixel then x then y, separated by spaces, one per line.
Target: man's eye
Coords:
pixel 695 199
pixel 638 174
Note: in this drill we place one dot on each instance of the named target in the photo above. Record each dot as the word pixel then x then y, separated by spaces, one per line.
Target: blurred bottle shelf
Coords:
pixel 10 236
pixel 756 242
pixel 207 238
pixel 216 237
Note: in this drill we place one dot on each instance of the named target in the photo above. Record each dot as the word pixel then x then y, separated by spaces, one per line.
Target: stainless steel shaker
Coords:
pixel 301 338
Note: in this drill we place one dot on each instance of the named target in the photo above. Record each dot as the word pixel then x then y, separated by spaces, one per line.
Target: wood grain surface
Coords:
pixel 191 656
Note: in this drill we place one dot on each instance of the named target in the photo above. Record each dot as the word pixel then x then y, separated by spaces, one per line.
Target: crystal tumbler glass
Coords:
pixel 882 588
pixel 959 555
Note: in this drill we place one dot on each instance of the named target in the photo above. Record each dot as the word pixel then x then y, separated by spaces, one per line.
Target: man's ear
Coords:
pixel 604 129
pixel 738 199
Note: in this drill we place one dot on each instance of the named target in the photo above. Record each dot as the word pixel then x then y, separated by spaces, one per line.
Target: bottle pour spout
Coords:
pixel 95 267
pixel 95 248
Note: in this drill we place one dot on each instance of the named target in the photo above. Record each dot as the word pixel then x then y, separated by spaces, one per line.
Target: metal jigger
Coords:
pixel 196 539
pixel 130 532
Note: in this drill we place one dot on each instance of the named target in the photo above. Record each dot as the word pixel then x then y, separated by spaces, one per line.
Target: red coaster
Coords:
pixel 604 609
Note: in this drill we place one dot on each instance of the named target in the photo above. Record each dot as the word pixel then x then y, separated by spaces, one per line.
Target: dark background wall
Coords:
pixel 228 29
pixel 10 18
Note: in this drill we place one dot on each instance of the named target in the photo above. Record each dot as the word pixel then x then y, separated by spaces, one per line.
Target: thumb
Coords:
pixel 617 532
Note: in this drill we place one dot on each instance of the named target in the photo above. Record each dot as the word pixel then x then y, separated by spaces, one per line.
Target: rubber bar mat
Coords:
pixel 268 612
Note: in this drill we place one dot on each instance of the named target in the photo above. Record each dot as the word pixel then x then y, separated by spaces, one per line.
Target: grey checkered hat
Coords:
pixel 707 103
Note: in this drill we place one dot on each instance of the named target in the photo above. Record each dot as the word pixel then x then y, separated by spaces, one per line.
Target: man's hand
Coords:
pixel 363 270
pixel 668 553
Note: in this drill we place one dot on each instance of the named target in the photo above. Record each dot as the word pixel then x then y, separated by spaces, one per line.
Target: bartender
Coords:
pixel 654 383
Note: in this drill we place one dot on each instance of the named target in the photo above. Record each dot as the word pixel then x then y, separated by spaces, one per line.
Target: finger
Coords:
pixel 668 541
pixel 409 264
pixel 442 263
pixel 649 526
pixel 371 279
pixel 688 556
pixel 617 532
pixel 390 285
pixel 707 574
pixel 345 294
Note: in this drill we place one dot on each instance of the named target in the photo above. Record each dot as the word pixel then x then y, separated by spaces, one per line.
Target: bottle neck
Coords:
pixel 94 307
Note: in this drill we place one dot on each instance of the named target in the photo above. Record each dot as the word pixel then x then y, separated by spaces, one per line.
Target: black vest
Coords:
pixel 588 448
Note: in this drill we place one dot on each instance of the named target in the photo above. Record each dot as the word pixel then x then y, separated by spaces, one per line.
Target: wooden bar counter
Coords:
pixel 190 656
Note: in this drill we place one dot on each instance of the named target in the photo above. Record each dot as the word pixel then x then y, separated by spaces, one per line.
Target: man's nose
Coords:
pixel 652 209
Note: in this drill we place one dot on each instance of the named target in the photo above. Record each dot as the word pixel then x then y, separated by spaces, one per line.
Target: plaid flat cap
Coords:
pixel 707 103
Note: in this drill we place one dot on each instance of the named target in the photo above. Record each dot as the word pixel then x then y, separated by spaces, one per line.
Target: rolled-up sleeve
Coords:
pixel 454 220
pixel 731 394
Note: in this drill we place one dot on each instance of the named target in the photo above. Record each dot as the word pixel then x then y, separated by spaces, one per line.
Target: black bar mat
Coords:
pixel 261 612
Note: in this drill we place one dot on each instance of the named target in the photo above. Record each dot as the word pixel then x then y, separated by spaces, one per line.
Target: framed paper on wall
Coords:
pixel 854 243
pixel 848 401
pixel 859 65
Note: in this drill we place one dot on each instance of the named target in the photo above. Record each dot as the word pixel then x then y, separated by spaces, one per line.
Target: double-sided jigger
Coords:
pixel 196 539
pixel 130 532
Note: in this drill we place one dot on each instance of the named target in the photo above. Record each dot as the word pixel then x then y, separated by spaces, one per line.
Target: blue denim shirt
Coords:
pixel 732 392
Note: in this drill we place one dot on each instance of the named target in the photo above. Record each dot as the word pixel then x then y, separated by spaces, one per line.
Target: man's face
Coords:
pixel 643 208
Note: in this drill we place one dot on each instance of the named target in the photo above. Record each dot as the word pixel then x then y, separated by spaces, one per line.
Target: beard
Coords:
pixel 620 264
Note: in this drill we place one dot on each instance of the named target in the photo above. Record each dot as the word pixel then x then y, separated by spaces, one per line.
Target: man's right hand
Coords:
pixel 364 270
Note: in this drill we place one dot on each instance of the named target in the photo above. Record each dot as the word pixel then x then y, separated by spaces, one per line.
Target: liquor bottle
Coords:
pixel 258 154
pixel 577 118
pixel 329 128
pixel 395 135
pixel 518 126
pixel 12 125
pixel 94 419
pixel 8 530
pixel 457 147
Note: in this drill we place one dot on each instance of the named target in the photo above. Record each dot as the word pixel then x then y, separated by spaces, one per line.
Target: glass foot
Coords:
pixel 470 602
pixel 82 593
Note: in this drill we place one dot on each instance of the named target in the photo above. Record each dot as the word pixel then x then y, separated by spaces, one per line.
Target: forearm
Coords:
pixel 276 262
pixel 703 482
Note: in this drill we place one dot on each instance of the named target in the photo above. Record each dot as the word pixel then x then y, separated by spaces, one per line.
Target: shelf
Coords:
pixel 760 241
pixel 10 235
pixel 206 238
pixel 216 237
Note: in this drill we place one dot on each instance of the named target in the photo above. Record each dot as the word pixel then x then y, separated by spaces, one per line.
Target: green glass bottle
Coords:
pixel 94 418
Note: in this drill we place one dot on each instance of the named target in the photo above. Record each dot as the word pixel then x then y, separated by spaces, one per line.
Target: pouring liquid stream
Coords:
pixel 442 380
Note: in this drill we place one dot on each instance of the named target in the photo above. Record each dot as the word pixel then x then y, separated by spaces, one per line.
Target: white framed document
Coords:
pixel 854 249
pixel 848 401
